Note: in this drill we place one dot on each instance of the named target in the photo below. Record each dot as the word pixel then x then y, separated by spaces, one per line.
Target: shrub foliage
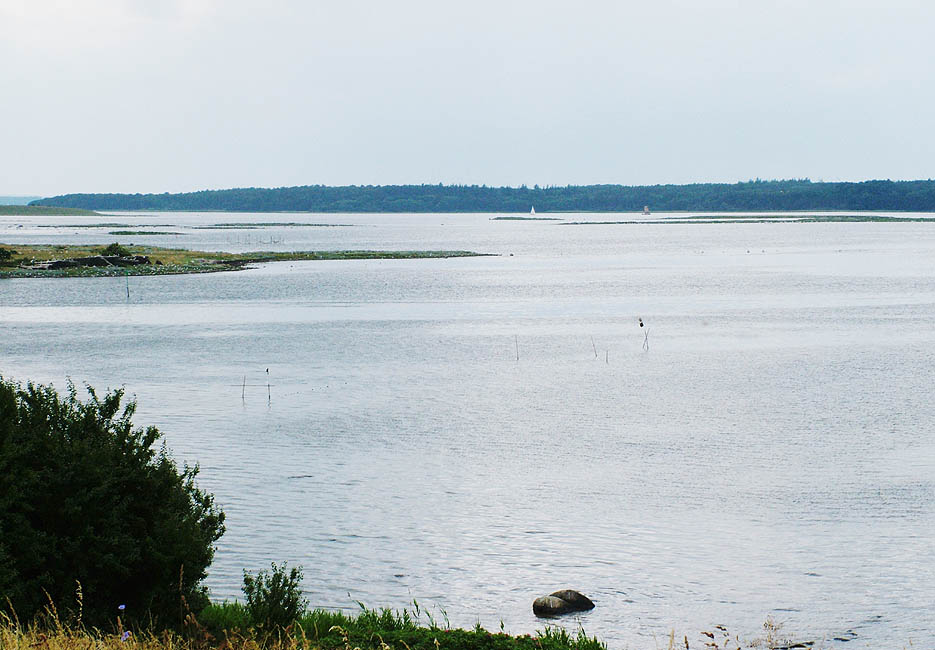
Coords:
pixel 85 497
pixel 274 599
pixel 115 249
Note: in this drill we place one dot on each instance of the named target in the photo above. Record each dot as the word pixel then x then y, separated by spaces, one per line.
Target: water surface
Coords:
pixel 476 432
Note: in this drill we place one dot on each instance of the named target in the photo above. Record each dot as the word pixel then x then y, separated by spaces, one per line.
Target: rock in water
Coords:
pixel 561 602
pixel 550 606
pixel 578 601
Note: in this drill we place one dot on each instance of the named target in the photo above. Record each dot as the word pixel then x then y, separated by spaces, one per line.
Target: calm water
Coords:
pixel 771 454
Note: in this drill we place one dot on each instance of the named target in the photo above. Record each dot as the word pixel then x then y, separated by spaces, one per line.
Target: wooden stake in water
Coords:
pixel 594 347
pixel 516 341
pixel 269 395
pixel 243 389
pixel 128 285
pixel 606 356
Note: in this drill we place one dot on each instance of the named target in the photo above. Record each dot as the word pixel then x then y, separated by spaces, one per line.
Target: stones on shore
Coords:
pixel 561 602
pixel 94 260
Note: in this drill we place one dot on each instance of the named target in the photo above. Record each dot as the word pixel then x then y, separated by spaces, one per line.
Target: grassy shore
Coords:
pixel 227 626
pixel 170 261
pixel 43 211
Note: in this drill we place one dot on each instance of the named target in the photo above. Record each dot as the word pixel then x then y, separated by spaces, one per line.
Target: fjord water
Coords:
pixel 476 432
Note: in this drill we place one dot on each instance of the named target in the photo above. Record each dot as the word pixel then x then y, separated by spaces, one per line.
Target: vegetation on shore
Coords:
pixel 44 211
pixel 314 630
pixel 801 194
pixel 14 260
pixel 94 515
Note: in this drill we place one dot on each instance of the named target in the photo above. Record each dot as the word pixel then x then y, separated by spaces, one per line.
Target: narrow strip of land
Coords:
pixel 43 261
pixel 44 211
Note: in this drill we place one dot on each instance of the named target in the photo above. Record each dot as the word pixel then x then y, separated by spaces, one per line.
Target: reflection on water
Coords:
pixel 772 453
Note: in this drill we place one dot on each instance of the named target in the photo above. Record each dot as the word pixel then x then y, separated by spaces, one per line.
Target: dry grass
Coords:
pixel 46 252
pixel 12 638
pixel 58 636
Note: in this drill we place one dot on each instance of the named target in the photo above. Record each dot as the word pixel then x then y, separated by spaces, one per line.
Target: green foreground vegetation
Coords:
pixel 25 261
pixel 314 630
pixel 93 514
pixel 758 194
pixel 412 629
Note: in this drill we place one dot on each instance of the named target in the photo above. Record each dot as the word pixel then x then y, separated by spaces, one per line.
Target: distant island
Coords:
pixel 916 196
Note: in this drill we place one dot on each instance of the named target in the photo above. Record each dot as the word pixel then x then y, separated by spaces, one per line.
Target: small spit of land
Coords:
pixel 41 261
pixel 44 211
pixel 251 225
pixel 143 232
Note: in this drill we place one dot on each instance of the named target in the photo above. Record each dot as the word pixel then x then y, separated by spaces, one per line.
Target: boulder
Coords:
pixel 576 599
pixel 561 602
pixel 545 606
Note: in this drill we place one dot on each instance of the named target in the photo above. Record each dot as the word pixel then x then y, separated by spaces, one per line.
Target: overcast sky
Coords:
pixel 178 95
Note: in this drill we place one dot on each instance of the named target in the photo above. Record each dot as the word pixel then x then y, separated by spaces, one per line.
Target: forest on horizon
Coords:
pixel 912 196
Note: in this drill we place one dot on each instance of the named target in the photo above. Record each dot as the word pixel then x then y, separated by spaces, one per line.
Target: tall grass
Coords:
pixel 228 626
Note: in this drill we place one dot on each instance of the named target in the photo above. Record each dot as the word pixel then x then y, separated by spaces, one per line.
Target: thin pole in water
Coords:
pixel 606 356
pixel 269 395
pixel 243 389
pixel 594 347
pixel 128 285
pixel 645 336
pixel 516 341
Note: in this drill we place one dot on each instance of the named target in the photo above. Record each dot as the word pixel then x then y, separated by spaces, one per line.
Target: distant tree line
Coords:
pixel 710 197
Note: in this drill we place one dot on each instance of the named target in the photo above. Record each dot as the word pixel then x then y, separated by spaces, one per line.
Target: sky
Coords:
pixel 181 95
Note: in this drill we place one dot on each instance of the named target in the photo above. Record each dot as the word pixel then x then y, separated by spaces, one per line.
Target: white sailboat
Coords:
pixel 532 210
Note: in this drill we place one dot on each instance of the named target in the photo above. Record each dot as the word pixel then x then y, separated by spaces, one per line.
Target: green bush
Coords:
pixel 115 249
pixel 85 498
pixel 274 599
